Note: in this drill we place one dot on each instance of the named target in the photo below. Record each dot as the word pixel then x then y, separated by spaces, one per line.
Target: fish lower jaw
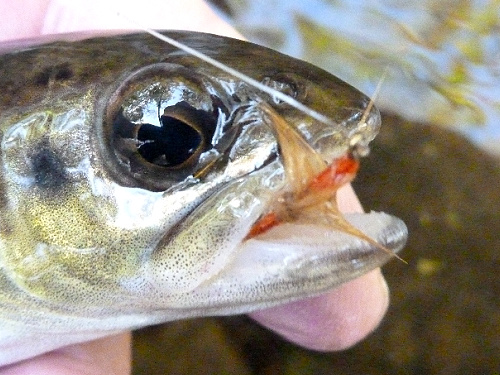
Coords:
pixel 293 261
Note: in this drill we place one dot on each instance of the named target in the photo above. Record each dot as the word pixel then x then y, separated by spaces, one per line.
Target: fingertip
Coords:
pixel 333 321
pixel 347 200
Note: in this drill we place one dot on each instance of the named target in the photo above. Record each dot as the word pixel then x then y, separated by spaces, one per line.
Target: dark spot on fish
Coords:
pixel 61 72
pixel 48 168
pixel 42 78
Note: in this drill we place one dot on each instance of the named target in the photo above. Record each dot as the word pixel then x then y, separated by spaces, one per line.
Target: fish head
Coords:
pixel 132 173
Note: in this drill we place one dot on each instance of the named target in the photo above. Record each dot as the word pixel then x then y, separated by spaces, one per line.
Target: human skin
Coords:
pixel 332 321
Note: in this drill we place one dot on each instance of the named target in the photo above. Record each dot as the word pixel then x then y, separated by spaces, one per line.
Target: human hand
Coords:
pixel 332 321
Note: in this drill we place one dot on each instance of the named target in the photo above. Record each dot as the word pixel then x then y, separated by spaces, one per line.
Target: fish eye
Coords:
pixel 157 124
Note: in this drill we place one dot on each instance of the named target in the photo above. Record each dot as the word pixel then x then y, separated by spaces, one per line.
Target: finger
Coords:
pixel 22 19
pixel 335 320
pixel 347 200
pixel 110 355
pixel 32 18
pixel 78 15
pixel 338 319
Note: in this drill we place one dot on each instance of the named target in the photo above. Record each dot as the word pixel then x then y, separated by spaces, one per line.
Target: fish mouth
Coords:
pixel 294 261
pixel 307 245
pixel 311 248
pixel 304 259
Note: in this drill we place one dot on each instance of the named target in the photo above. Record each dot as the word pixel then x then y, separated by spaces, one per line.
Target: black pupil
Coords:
pixel 169 145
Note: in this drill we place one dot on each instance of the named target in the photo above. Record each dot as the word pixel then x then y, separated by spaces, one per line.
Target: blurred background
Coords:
pixel 435 164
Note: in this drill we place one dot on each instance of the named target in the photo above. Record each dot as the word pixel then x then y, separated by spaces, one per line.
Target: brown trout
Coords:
pixel 131 174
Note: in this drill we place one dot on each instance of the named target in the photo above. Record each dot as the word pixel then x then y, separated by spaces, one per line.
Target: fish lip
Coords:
pixel 273 276
pixel 340 251
pixel 346 261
